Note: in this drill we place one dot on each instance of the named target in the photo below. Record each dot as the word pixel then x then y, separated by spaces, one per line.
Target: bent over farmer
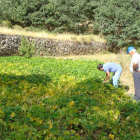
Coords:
pixel 135 69
pixel 111 67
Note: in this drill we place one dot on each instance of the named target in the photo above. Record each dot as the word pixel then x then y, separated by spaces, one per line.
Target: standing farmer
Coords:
pixel 135 69
pixel 111 67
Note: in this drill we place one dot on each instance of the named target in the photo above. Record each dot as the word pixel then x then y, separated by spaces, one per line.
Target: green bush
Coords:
pixel 26 49
pixel 96 30
pixel 0 22
pixel 17 27
pixel 34 29
pixel 7 24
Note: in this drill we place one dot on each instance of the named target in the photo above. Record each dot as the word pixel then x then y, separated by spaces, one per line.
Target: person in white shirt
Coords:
pixel 135 69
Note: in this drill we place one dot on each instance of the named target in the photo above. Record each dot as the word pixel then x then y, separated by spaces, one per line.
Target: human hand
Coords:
pixel 103 82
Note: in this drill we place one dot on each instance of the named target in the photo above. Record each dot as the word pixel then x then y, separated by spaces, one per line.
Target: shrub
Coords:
pixel 26 49
pixel 34 29
pixel 7 24
pixel 96 30
pixel 17 27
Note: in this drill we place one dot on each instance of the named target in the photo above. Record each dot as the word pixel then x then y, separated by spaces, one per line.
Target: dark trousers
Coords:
pixel 136 77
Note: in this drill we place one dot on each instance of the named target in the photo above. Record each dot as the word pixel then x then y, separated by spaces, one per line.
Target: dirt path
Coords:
pixel 122 59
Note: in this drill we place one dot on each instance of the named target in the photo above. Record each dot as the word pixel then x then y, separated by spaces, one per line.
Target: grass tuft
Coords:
pixel 43 34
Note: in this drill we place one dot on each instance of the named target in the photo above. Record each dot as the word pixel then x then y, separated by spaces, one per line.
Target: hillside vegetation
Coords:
pixel 116 21
pixel 45 98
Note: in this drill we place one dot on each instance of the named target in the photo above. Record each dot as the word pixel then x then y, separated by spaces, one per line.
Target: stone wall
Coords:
pixel 9 45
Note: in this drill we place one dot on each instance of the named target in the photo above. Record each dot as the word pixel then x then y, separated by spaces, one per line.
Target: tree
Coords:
pixel 118 21
pixel 59 15
pixel 72 15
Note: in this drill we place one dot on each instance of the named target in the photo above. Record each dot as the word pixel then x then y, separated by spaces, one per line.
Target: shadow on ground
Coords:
pixel 125 87
pixel 32 79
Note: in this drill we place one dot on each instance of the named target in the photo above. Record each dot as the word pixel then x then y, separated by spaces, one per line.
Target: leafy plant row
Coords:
pixel 44 98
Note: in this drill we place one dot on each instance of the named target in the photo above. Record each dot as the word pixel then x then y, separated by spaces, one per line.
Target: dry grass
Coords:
pixel 43 34
pixel 123 59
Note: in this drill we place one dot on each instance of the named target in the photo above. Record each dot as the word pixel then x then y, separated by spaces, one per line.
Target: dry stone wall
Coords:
pixel 9 45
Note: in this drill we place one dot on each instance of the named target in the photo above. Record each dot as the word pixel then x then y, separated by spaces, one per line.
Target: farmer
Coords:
pixel 135 69
pixel 111 67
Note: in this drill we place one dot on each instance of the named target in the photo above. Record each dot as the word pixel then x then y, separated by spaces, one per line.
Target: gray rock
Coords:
pixel 50 47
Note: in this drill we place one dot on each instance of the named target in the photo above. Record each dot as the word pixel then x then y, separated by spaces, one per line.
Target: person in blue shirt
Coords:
pixel 111 67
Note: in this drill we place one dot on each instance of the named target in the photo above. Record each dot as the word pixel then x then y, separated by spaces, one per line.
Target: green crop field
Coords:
pixel 62 99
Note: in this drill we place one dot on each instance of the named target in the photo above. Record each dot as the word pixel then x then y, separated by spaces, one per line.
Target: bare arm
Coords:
pixel 135 65
pixel 107 76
